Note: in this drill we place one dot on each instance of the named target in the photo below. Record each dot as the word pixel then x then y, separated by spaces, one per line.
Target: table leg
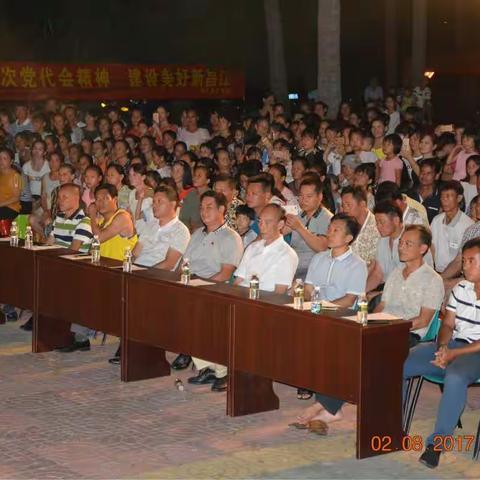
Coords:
pixel 141 361
pixel 379 412
pixel 249 393
pixel 49 333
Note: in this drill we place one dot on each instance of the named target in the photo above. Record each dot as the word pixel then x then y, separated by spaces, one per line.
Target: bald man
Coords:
pixel 273 261
pixel 71 227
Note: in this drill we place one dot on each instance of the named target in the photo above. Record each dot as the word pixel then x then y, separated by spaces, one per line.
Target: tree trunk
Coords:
pixel 419 40
pixel 328 53
pixel 276 55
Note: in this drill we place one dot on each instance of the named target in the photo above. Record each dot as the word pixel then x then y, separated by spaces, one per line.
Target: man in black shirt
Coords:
pixel 426 192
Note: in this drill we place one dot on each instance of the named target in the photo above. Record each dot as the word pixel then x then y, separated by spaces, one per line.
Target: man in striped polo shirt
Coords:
pixel 71 227
pixel 456 354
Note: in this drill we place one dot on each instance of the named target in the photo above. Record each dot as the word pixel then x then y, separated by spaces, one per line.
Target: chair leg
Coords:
pixel 476 449
pixel 415 385
pixel 104 338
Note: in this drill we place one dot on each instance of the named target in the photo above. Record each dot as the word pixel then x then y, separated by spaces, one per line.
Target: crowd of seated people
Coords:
pixel 376 202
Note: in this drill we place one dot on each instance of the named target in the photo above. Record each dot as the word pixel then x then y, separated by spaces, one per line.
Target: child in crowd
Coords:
pixel 244 217
pixel 390 168
pixel 92 179
pixel 474 208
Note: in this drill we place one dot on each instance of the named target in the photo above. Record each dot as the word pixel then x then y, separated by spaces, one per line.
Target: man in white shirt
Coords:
pixel 191 134
pixel 163 240
pixel 413 291
pixel 271 258
pixel 455 356
pixel 449 226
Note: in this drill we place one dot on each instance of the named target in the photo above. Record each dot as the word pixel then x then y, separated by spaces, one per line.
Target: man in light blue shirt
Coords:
pixel 342 276
pixel 338 271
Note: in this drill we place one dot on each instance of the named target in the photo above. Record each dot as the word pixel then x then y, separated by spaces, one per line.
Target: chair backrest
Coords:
pixel 433 328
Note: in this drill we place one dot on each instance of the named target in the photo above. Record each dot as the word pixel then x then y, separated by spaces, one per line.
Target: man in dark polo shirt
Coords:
pixel 426 192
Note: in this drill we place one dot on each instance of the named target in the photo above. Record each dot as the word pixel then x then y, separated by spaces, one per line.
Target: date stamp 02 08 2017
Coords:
pixel 447 443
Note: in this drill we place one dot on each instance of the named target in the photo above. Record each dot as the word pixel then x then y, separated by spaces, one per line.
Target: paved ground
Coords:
pixel 69 416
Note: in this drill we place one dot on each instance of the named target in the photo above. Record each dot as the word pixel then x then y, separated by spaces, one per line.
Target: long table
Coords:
pixel 16 276
pixel 265 340
pixel 260 341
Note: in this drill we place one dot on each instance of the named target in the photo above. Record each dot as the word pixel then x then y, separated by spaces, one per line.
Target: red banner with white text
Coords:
pixel 29 81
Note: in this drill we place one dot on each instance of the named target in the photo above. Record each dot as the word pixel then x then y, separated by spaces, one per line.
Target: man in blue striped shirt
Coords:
pixel 455 356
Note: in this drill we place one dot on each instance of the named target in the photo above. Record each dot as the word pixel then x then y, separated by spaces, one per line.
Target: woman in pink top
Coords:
pixel 93 178
pixel 457 160
pixel 390 168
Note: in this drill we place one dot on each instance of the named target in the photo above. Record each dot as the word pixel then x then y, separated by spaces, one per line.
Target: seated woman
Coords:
pixel 10 186
pixel 140 198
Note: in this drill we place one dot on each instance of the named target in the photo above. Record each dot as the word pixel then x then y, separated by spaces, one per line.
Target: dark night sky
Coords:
pixel 222 32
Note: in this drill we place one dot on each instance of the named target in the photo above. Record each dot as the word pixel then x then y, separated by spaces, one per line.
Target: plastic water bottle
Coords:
pixel 95 250
pixel 127 260
pixel 14 234
pixel 186 274
pixel 29 237
pixel 254 290
pixel 179 385
pixel 316 303
pixel 362 312
pixel 265 159
pixel 298 294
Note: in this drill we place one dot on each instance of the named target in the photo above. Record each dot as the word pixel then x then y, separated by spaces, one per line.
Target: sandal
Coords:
pixel 318 427
pixel 304 394
pixel 299 425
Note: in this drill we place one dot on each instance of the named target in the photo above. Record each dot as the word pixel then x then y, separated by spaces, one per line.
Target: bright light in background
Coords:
pixel 103 104
pixel 124 109
pixel 429 75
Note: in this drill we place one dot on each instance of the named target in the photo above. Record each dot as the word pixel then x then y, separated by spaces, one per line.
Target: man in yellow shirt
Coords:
pixel 113 226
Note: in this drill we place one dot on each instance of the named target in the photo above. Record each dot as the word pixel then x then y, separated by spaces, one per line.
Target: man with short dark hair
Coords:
pixel 455 356
pixel 163 240
pixel 426 192
pixel 388 218
pixel 354 203
pixel 214 252
pixel 413 212
pixel 191 134
pixel 341 276
pixel 113 226
pixel 340 271
pixel 421 287
pixel 259 194
pixel 310 226
pixel 449 226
